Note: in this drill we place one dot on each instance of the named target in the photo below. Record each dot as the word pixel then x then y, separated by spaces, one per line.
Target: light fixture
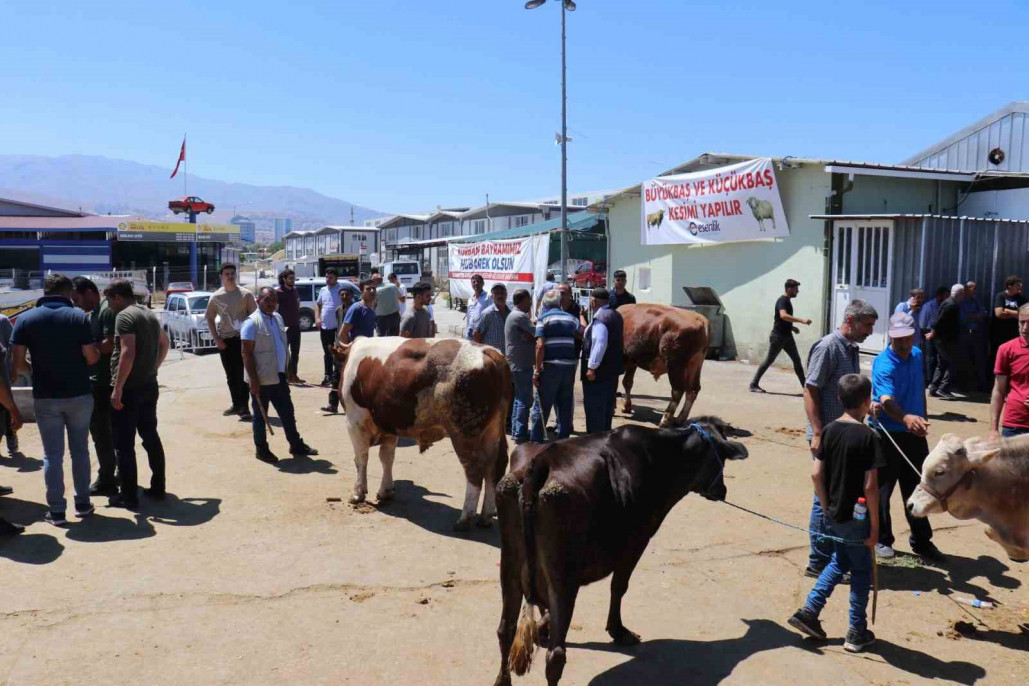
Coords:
pixel 533 4
pixel 569 5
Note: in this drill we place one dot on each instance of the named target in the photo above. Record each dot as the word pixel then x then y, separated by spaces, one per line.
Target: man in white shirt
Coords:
pixel 479 301
pixel 602 362
pixel 325 306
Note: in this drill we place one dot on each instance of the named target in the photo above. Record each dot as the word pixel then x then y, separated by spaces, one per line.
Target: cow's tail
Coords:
pixel 527 634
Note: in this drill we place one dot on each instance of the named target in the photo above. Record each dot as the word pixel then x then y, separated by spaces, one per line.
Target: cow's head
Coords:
pixel 713 433
pixel 947 474
pixel 341 351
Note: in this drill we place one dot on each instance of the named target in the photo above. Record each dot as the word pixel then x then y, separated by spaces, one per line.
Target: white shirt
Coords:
pixel 329 300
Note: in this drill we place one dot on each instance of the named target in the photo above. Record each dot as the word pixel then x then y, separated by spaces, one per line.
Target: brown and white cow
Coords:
pixel 665 340
pixel 428 389
pixel 974 479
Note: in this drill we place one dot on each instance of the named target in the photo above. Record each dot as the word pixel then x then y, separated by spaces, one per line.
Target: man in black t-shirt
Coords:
pixel 947 340
pixel 781 337
pixel 1004 327
pixel 620 296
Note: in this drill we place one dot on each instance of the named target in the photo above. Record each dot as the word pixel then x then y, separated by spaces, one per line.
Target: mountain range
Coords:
pixel 103 185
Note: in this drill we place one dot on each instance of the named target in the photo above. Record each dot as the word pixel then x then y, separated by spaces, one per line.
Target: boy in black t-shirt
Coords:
pixel 781 337
pixel 847 469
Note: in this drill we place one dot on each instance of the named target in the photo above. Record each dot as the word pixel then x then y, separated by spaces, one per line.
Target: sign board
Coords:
pixel 157 232
pixel 519 263
pixel 217 233
pixel 739 202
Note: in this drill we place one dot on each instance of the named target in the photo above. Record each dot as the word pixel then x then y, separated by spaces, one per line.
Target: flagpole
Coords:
pixel 185 170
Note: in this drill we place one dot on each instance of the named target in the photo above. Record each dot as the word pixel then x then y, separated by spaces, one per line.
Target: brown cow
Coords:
pixel 428 389
pixel 974 479
pixel 665 340
pixel 576 510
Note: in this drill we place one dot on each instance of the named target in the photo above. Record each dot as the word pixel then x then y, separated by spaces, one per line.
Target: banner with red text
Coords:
pixel 739 202
pixel 518 263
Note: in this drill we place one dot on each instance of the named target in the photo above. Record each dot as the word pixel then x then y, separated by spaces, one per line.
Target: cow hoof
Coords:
pixel 503 680
pixel 356 499
pixel 386 496
pixel 484 521
pixel 463 525
pixel 1019 560
pixel 624 637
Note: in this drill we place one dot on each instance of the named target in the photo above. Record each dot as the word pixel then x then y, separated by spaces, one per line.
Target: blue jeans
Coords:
pixel 598 399
pixel 520 406
pixel 821 549
pixel 55 416
pixel 1011 431
pixel 856 559
pixel 557 384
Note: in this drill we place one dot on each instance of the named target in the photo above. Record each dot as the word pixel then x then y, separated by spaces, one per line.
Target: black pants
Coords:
pixel 102 433
pixel 388 325
pixel 138 415
pixel 931 359
pixel 328 340
pixel 778 342
pixel 293 342
pixel 232 363
pixel 946 365
pixel 897 470
pixel 598 400
pixel 334 379
pixel 277 395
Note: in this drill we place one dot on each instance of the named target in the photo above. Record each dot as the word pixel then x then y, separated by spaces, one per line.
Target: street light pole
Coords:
pixel 564 153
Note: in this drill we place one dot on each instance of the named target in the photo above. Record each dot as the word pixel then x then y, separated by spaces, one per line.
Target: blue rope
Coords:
pixel 826 537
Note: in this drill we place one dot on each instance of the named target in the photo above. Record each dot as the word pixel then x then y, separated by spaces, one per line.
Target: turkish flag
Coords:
pixel 182 158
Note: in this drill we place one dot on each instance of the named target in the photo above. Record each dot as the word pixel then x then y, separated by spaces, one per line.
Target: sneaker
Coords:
pixel 884 552
pixel 856 642
pixel 753 388
pixel 303 450
pixel 245 416
pixel 9 528
pixel 6 490
pixel 929 553
pixel 231 411
pixel 266 455
pixel 329 409
pixel 933 392
pixel 807 624
pixel 945 395
pixel 326 382
pixel 154 494
pixel 101 488
pixel 121 501
pixel 55 518
pixel 82 511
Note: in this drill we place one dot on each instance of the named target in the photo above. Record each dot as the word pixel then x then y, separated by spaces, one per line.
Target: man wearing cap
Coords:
pixel 898 386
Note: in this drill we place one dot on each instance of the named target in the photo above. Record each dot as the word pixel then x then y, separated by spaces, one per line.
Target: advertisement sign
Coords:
pixel 156 232
pixel 519 263
pixel 739 202
pixel 217 233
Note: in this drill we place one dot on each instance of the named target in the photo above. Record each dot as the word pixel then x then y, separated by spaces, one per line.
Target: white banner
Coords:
pixel 735 203
pixel 518 263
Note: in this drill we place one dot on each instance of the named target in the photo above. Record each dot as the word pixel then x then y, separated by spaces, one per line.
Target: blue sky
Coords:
pixel 401 106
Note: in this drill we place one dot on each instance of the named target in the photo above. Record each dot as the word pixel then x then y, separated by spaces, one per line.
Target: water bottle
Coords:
pixel 975 602
pixel 860 510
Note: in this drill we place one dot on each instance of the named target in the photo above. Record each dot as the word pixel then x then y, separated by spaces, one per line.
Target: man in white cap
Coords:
pixel 898 386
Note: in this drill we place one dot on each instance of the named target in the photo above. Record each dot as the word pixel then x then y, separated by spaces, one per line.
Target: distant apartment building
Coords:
pixel 247 228
pixel 283 225
pixel 376 222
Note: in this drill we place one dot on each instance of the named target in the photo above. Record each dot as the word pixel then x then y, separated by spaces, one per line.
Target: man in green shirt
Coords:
pixel 140 348
pixel 101 318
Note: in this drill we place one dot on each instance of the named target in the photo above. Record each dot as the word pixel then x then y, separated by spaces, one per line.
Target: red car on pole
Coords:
pixel 190 203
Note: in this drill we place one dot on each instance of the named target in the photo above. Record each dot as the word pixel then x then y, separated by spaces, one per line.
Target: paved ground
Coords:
pixel 248 575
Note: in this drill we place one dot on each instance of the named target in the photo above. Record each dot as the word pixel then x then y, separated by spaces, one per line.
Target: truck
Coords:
pixel 349 266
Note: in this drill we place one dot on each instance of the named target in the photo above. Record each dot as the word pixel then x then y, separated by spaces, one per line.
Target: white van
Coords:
pixel 409 272
pixel 308 288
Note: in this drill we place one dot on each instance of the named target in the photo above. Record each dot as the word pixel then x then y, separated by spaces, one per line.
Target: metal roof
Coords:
pixel 992 131
pixel 873 217
pixel 581 222
pixel 404 220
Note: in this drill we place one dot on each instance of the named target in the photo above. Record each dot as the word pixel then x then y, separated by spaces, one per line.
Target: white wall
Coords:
pixel 1009 204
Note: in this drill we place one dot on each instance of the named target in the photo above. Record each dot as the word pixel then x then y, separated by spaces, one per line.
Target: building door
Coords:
pixel 862 262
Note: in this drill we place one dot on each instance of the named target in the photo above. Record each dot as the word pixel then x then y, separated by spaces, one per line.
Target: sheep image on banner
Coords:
pixel 739 202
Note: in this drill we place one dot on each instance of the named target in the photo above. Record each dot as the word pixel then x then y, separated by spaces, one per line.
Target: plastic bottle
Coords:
pixel 975 602
pixel 860 510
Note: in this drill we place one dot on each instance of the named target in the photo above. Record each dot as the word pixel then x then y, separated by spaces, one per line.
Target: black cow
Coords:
pixel 573 511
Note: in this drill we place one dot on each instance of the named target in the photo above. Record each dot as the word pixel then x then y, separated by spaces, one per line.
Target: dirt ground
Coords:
pixel 249 574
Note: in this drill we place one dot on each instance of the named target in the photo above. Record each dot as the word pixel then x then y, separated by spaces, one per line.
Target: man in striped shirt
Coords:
pixel 556 362
pixel 490 327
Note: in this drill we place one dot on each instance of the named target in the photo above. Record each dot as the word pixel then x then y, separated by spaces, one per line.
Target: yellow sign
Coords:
pixel 217 233
pixel 158 232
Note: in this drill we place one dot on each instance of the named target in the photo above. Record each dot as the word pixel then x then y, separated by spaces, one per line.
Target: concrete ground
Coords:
pixel 253 574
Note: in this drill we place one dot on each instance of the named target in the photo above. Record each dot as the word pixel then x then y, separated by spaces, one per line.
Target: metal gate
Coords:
pixel 861 271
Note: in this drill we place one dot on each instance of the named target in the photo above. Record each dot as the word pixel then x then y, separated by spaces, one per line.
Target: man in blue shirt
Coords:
pixel 359 321
pixel 913 307
pixel 926 320
pixel 263 338
pixel 325 306
pixel 554 376
pixel 898 387
pixel 602 362
pixel 60 340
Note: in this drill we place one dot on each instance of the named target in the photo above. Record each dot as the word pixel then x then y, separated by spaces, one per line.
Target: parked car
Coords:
pixel 308 289
pixel 184 322
pixel 179 287
pixel 589 275
pixel 190 203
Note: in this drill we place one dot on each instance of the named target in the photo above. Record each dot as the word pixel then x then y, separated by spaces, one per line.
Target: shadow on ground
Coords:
pixel 20 461
pixel 668 661
pixel 306 465
pixel 907 574
pixel 412 503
